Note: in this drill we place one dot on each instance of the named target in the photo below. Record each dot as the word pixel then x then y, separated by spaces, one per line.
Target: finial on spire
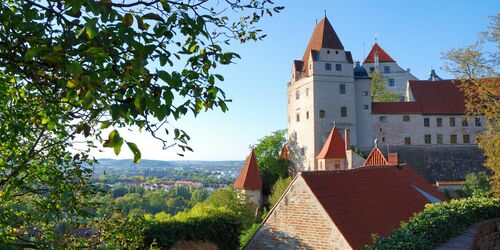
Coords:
pixel 376 37
pixel 334 123
pixel 375 142
pixel 325 13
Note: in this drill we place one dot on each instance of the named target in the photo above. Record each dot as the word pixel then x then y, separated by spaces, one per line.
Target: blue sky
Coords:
pixel 414 33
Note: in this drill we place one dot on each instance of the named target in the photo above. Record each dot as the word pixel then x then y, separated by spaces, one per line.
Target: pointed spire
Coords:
pixel 334 147
pixel 382 55
pixel 249 177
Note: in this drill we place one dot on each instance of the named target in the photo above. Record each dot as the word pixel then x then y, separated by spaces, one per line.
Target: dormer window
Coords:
pixel 328 66
pixel 387 70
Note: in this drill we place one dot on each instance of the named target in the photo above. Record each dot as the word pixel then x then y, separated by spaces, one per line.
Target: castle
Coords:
pixel 328 89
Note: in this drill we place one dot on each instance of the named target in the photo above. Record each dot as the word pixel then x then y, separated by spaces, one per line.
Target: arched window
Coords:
pixel 321 114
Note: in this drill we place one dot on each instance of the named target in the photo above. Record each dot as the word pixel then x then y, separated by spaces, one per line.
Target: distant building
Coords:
pixel 341 209
pixel 249 182
pixel 327 87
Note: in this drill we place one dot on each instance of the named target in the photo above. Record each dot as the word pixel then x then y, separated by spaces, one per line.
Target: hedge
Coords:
pixel 438 223
pixel 222 229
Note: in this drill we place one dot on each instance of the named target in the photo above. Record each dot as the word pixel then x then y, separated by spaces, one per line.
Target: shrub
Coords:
pixel 477 184
pixel 222 229
pixel 248 234
pixel 438 223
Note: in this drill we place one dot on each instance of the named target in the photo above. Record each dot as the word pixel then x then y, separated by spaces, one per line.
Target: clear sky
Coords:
pixel 414 33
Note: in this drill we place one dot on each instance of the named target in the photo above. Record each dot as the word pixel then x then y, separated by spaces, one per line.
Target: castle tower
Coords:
pixel 333 154
pixel 379 60
pixel 249 182
pixel 321 92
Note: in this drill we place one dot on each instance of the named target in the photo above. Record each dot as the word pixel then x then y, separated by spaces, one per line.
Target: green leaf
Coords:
pixel 105 125
pixel 118 145
pixel 74 68
pixel 91 31
pixel 135 150
pixel 112 140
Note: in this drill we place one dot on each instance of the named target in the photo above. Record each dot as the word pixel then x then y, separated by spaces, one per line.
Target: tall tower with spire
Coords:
pixel 321 92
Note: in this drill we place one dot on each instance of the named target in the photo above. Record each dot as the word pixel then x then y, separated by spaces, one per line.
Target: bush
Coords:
pixel 477 184
pixel 222 229
pixel 248 234
pixel 438 223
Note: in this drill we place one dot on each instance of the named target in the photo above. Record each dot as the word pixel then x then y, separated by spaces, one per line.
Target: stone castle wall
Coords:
pixel 442 163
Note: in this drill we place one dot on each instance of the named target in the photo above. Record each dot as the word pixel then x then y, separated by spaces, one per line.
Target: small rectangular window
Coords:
pixel 307 91
pixel 366 106
pixel 391 82
pixel 406 118
pixel 343 111
pixel 297 117
pixel 387 70
pixel 427 122
pixel 466 138
pixel 427 139
pixel 452 121
pixel 478 122
pixel 465 123
pixel 383 119
pixel 439 122
pixel 328 66
pixel 407 140
pixel 297 94
pixel 338 67
pixel 439 139
pixel 365 93
pixel 342 88
pixel 372 69
pixel 453 139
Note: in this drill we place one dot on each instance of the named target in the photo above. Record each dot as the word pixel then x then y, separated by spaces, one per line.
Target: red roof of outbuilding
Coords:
pixel 249 177
pixel 369 200
pixel 376 158
pixel 323 36
pixel 334 147
pixel 431 98
pixel 382 55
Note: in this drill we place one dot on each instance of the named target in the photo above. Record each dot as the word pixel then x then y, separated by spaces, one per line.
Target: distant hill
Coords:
pixel 111 163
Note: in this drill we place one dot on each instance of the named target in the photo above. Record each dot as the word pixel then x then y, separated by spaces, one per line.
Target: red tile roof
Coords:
pixel 438 97
pixel 334 147
pixel 323 36
pixel 382 55
pixel 431 98
pixel 369 200
pixel 249 177
pixel 376 158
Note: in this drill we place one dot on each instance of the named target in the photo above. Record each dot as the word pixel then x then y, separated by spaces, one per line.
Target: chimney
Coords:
pixel 347 139
pixel 393 159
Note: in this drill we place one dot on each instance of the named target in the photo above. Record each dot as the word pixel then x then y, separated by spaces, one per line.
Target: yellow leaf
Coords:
pixel 128 19
pixel 72 84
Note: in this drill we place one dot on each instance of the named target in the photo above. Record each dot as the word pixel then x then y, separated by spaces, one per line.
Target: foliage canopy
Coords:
pixel 73 70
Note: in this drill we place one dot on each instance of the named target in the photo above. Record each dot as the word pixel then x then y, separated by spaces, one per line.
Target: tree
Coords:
pixel 477 185
pixel 271 166
pixel 230 200
pixel 279 189
pixel 379 90
pixel 73 70
pixel 477 70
